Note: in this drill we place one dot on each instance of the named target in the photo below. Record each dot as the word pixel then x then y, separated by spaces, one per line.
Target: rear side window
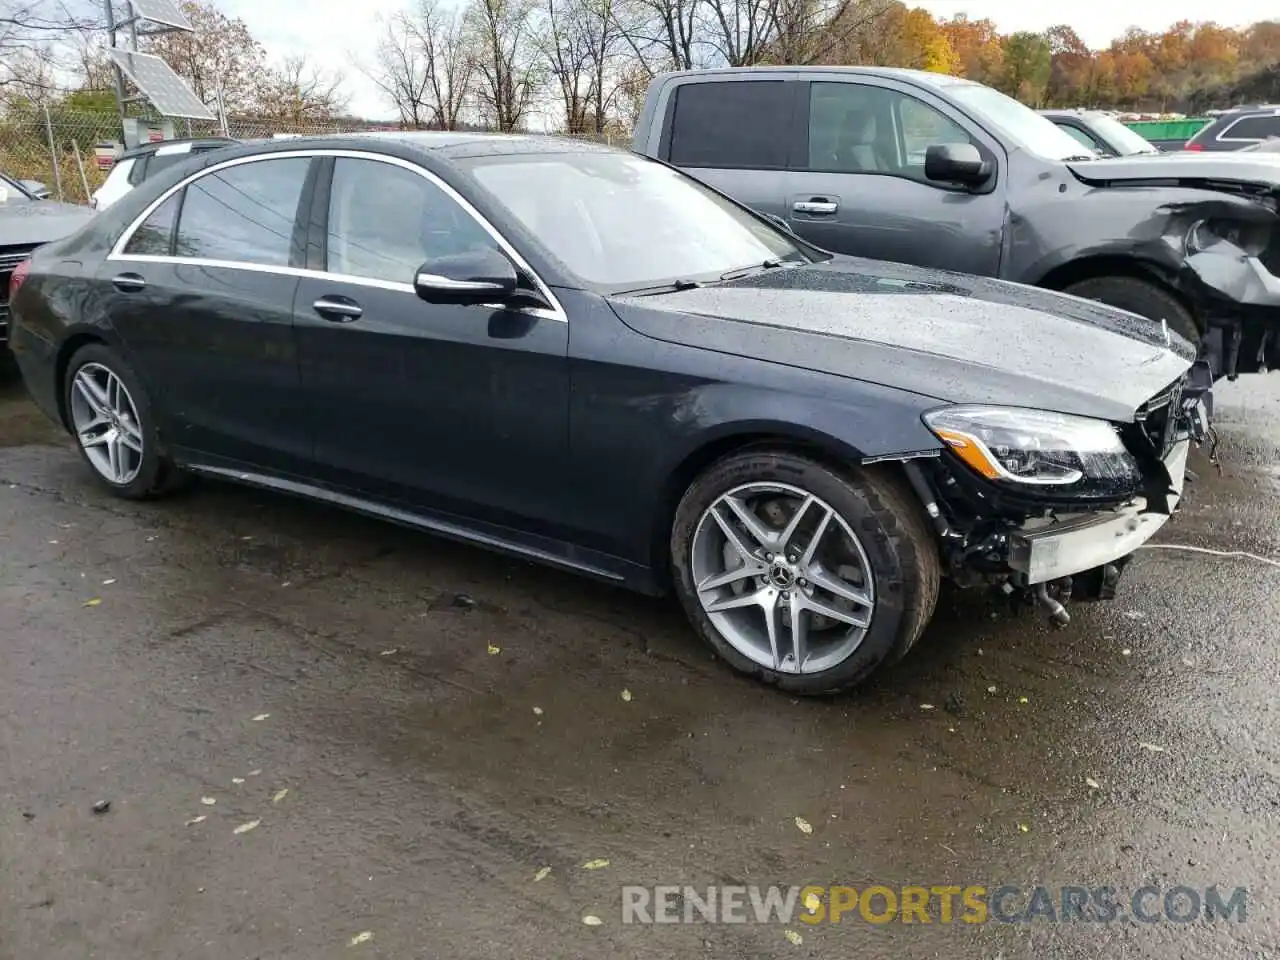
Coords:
pixel 154 237
pixel 1252 128
pixel 1079 135
pixel 743 124
pixel 244 213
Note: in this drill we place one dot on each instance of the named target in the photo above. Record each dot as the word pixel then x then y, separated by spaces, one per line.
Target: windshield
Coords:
pixel 1121 137
pixel 1038 134
pixel 622 222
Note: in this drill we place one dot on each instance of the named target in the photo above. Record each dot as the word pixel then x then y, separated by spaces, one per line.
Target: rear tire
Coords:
pixel 875 523
pixel 1143 298
pixel 110 418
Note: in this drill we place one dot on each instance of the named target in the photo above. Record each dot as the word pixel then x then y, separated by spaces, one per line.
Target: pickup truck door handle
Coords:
pixel 338 309
pixel 129 283
pixel 816 205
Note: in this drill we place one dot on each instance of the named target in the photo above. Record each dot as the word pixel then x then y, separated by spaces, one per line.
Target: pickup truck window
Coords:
pixel 1252 128
pixel 1078 135
pixel 731 124
pixel 860 128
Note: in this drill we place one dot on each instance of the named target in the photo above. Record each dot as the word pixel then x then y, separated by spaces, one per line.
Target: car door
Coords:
pixel 733 134
pixel 859 187
pixel 202 292
pixel 459 407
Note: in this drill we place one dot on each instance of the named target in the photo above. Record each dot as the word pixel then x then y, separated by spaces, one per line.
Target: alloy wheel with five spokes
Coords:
pixel 105 420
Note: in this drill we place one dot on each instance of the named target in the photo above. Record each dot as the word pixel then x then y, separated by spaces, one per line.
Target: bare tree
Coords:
pixel 566 44
pixel 424 66
pixel 662 34
pixel 503 35
pixel 31 32
pixel 298 91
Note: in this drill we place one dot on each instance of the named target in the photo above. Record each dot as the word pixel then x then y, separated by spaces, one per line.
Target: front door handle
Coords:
pixel 338 309
pixel 129 283
pixel 815 206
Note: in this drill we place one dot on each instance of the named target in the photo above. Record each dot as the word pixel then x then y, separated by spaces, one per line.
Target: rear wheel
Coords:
pixel 1143 298
pixel 800 575
pixel 110 417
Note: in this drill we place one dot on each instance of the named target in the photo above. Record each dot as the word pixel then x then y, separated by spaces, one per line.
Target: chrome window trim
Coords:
pixel 1237 121
pixel 118 249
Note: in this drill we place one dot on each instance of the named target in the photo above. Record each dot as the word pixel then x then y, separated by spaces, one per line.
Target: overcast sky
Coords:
pixel 331 32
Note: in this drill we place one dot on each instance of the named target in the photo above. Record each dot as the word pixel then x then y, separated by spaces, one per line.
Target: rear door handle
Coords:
pixel 815 206
pixel 338 309
pixel 129 283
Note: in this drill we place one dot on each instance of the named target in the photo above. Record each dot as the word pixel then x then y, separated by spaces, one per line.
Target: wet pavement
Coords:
pixel 447 724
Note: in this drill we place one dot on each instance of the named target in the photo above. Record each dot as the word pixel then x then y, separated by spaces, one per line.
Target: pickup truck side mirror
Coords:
pixel 956 163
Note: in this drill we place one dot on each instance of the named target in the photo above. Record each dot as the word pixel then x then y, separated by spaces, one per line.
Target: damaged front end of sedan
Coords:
pixel 1048 507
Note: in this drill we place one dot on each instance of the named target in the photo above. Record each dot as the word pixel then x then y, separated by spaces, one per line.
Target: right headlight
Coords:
pixel 1028 448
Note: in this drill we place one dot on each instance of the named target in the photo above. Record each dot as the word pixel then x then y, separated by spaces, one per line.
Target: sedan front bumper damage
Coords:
pixel 1046 549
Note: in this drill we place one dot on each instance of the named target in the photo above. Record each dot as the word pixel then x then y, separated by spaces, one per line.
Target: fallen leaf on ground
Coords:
pixel 363 936
pixel 1125 652
pixel 261 716
pixel 591 920
pixel 494 650
pixel 246 827
pixel 803 825
pixel 595 864
pixel 812 902
pixel 208 801
pixel 1092 783
pixel 1153 747
pixel 1023 700
pixel 194 820
pixel 237 780
pixel 793 937
pixel 1024 828
pixel 537 711
pixel 541 874
pixel 107 583
pixel 391 652
pixel 95 602
pixel 280 795
pixel 626 695
pixel 991 689
pixel 926 706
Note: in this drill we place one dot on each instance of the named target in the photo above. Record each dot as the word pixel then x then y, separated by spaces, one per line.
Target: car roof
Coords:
pixel 450 145
pixel 919 77
pixel 196 143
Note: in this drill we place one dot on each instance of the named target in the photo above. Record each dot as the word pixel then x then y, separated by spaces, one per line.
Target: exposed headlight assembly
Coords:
pixel 1249 237
pixel 1029 448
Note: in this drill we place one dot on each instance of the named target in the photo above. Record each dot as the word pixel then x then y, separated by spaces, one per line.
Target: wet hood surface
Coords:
pixel 951 336
pixel 1188 166
pixel 39 221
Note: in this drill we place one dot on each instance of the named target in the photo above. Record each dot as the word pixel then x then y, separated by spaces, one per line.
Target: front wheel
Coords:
pixel 110 417
pixel 1140 297
pixel 800 575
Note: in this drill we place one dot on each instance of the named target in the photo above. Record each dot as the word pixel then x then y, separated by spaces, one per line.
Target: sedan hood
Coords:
pixel 28 223
pixel 1188 167
pixel 955 337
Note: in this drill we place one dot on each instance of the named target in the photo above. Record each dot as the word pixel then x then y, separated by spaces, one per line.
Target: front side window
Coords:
pixel 385 221
pixel 244 213
pixel 1033 131
pixel 1080 136
pixel 859 128
pixel 1252 128
pixel 623 222
pixel 154 237
pixel 739 123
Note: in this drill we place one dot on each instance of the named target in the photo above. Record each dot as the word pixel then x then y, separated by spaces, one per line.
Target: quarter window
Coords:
pixel 154 237
pixel 858 128
pixel 740 123
pixel 244 213
pixel 385 221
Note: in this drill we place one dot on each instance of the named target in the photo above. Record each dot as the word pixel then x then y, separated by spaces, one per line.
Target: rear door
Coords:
pixel 859 186
pixel 202 296
pixel 735 134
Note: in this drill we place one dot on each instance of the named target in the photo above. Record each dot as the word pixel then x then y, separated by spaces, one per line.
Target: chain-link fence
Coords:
pixel 58 148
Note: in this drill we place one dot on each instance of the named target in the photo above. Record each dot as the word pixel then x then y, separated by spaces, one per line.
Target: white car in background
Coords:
pixel 136 165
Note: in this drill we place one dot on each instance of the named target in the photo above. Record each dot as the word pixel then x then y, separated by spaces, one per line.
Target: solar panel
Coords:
pixel 161 11
pixel 159 84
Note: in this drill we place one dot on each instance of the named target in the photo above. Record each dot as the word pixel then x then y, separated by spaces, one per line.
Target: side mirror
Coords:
pixel 956 163
pixel 478 276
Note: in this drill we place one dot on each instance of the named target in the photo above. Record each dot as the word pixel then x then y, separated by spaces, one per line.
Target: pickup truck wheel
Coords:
pixel 800 575
pixel 1140 297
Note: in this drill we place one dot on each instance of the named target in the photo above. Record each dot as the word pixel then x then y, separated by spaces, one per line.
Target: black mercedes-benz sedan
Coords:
pixel 584 357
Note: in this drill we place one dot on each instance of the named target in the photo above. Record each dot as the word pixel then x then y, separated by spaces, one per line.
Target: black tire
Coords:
pixel 157 474
pixel 1143 298
pixel 899 543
